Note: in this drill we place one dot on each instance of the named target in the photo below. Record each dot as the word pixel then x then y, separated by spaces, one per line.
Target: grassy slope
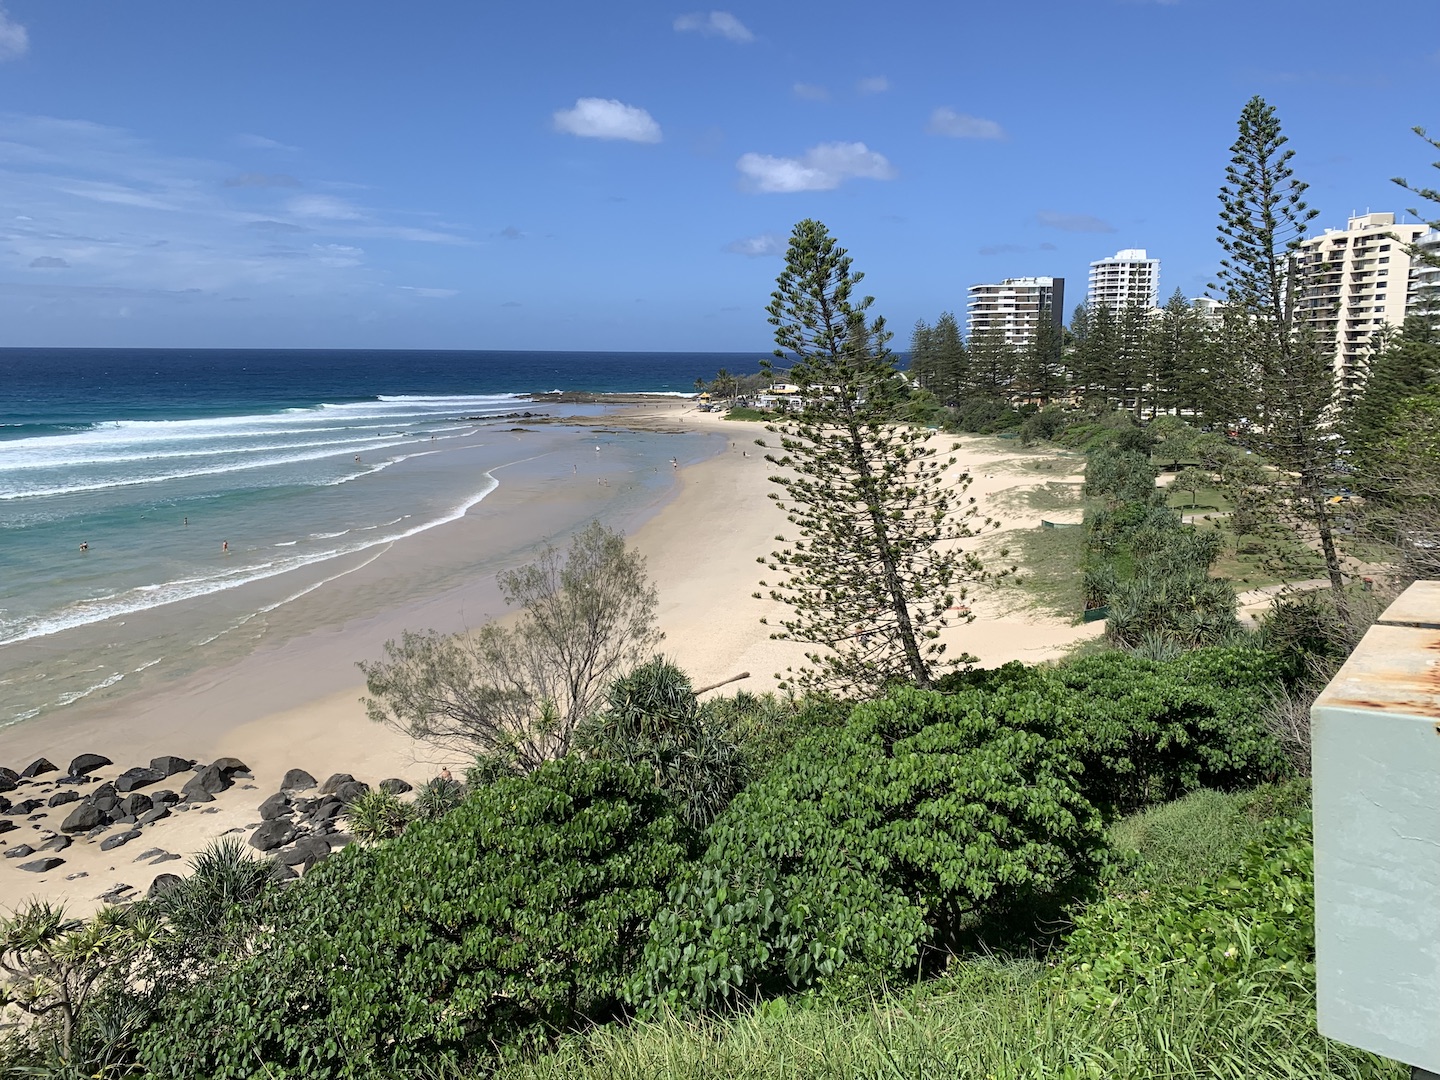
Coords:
pixel 994 1020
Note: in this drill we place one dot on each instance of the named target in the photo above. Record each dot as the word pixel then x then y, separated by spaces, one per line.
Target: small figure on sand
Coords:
pixel 445 775
pixel 84 545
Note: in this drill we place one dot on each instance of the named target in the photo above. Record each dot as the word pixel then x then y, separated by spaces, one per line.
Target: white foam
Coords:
pixel 70 699
pixel 145 597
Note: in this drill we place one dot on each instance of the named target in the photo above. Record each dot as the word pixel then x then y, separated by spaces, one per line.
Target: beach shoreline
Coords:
pixel 298 705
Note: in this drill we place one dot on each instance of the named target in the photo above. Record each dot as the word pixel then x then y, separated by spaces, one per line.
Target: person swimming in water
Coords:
pixel 84 545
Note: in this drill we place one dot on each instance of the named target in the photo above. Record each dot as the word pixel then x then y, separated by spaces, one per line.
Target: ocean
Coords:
pixel 164 510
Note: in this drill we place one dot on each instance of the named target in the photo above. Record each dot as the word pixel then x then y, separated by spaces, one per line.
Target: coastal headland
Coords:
pixel 296 704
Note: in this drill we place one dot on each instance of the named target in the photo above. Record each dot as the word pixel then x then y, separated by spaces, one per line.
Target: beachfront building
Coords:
pixel 1128 277
pixel 1352 283
pixel 1011 311
pixel 1208 308
pixel 1423 294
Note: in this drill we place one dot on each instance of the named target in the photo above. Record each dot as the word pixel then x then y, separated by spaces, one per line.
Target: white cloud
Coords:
pixel 821 168
pixel 323 206
pixel 260 142
pixel 14 41
pixel 757 247
pixel 715 24
pixel 876 84
pixel 946 121
pixel 430 294
pixel 1074 222
pixel 811 92
pixel 605 118
pixel 255 179
pixel 337 255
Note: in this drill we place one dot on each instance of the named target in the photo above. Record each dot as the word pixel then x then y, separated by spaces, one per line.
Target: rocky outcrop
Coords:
pixel 86 764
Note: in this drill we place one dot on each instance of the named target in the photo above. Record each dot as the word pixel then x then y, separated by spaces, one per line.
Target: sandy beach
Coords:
pixel 299 705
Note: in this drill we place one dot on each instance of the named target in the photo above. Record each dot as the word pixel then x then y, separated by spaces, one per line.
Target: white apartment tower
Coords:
pixel 1353 282
pixel 1013 308
pixel 1129 277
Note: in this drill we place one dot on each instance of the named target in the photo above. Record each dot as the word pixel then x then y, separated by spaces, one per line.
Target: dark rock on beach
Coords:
pixel 307 851
pixel 158 813
pixel 6 826
pixel 59 842
pixel 333 784
pixel 110 843
pixel 395 786
pixel 169 764
pixel 40 866
pixel 277 805
pixel 60 798
pixel 29 806
pixel 82 819
pixel 348 793
pixel 39 767
pixel 231 766
pixel 19 851
pixel 136 778
pixel 162 884
pixel 136 804
pixel 207 781
pixel 9 779
pixel 164 795
pixel 297 780
pixel 85 764
pixel 272 834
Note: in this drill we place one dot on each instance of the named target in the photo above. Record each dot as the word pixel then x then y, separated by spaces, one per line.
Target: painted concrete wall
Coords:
pixel 1376 753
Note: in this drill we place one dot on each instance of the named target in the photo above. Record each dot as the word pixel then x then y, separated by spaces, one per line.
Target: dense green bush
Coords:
pixel 1145 731
pixel 923 823
pixel 517 915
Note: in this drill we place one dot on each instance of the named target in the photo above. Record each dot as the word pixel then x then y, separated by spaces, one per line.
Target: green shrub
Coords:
pixel 1148 732
pixel 377 815
pixel 1145 731
pixel 517 915
pixel 876 848
pixel 1250 933
pixel 651 720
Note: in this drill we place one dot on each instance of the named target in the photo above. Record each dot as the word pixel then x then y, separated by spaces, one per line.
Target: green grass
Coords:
pixel 1201 835
pixel 1049 575
pixel 744 412
pixel 1207 500
pixel 984 1021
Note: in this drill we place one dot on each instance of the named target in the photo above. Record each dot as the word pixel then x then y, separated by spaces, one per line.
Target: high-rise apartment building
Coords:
pixel 1352 282
pixel 1127 278
pixel 1013 309
pixel 1423 295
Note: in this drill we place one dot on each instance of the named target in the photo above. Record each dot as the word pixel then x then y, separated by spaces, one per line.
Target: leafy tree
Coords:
pixel 1192 480
pixel 58 970
pixel 518 915
pixel 1040 372
pixel 994 364
pixel 872 574
pixel 518 694
pixel 922 825
pixel 1405 364
pixel 1262 223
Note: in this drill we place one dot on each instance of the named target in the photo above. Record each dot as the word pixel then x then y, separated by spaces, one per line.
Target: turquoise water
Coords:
pixel 207 528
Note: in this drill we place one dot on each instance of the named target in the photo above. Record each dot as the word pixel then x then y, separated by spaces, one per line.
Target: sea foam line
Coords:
pixel 136 481
pixel 146 597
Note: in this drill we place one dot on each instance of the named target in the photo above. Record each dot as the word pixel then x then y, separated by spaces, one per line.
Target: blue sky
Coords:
pixel 449 174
